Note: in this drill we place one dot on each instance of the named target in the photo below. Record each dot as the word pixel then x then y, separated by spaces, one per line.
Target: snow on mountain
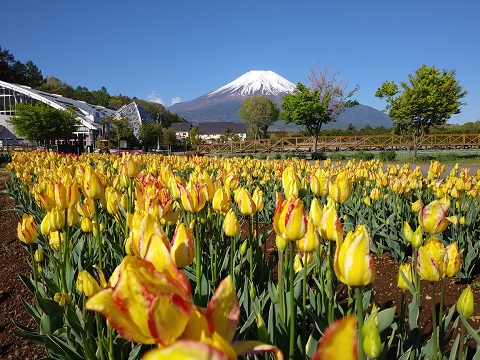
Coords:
pixel 256 82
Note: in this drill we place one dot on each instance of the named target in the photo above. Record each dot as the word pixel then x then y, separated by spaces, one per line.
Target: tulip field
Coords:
pixel 150 256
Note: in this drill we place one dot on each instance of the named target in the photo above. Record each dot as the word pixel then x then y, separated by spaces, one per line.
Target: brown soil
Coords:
pixel 14 260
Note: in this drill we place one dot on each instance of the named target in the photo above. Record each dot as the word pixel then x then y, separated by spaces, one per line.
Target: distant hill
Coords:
pixel 223 104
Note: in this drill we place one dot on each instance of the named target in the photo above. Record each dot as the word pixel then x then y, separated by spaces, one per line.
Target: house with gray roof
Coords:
pixel 212 131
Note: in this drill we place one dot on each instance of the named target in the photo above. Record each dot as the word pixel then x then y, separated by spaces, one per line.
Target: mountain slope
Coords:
pixel 223 104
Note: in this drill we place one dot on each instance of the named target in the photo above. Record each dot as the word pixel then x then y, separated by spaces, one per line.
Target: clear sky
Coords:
pixel 178 50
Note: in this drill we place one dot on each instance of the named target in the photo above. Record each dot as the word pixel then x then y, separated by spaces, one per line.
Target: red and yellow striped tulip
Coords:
pixel 290 219
pixel 182 246
pixel 340 341
pixel 433 217
pixel 455 258
pixel 26 229
pixel 432 260
pixel 353 263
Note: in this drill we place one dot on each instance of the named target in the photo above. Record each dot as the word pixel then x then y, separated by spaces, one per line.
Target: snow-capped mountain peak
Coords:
pixel 254 82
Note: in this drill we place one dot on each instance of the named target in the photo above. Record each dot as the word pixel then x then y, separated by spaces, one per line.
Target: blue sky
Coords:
pixel 181 49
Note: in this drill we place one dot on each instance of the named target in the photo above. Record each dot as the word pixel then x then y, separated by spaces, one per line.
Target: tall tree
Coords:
pixel 150 134
pixel 43 123
pixel 429 98
pixel 33 75
pixel 258 112
pixel 320 104
pixel 123 131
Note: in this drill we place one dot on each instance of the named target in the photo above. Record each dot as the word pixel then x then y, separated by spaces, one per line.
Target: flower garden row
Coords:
pixel 143 256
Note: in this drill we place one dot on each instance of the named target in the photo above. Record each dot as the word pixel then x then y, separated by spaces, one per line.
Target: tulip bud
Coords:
pixel 465 303
pixel 243 247
pixel 311 241
pixel 87 284
pixel 231 225
pixel 45 225
pixel 340 188
pixel 245 202
pixel 372 344
pixel 406 270
pixel 433 217
pixel 131 166
pixel 454 259
pixel 86 225
pixel 92 186
pixel 38 255
pixel 62 299
pixel 182 247
pixel 221 200
pixel 280 243
pixel 258 199
pixel 417 205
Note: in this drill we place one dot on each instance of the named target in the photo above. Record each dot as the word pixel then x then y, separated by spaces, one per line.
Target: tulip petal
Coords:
pixel 225 309
pixel 256 347
pixel 186 350
pixel 103 303
pixel 339 341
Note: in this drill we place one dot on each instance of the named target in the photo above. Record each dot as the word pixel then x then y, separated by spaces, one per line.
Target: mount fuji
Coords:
pixel 223 103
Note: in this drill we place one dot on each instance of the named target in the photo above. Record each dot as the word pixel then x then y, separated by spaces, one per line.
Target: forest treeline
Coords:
pixel 16 72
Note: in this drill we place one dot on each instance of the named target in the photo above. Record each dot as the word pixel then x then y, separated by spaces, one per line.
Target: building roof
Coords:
pixel 214 128
pixel 181 126
pixel 135 115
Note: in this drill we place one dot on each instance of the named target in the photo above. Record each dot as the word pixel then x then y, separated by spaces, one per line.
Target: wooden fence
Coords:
pixel 342 143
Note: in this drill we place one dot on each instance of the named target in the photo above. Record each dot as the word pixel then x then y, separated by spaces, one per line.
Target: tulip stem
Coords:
pixel 440 311
pixel 434 322
pixel 330 314
pixel 291 254
pixel 97 235
pixel 34 269
pixel 304 302
pixel 460 343
pixel 359 303
pixel 280 285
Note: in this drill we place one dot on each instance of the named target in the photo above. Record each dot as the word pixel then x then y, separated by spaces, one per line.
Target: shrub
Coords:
pixel 362 155
pixel 318 156
pixel 388 155
pixel 5 158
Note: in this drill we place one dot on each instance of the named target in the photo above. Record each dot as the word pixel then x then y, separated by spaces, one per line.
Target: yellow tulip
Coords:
pixel 92 185
pixel 86 224
pixel 131 166
pixel 86 208
pixel 193 199
pixel 433 217
pixel 221 200
pixel 339 342
pixel 182 245
pixel 413 237
pixel 87 284
pixel 245 202
pixel 258 199
pixel 38 255
pixel 331 227
pixel 290 219
pixel 406 270
pixel 465 303
pixel 455 258
pixel 319 183
pixel 231 225
pixel 340 188
pixel 432 260
pixel 57 219
pixel 353 263
pixel 301 260
pixel 315 212
pixel 311 241
pixel 26 229
pixel 143 304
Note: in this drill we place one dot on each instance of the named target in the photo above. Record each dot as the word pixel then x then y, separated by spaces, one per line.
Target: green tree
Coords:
pixel 169 137
pixel 43 123
pixel 150 134
pixel 33 75
pixel 258 112
pixel 320 104
pixel 427 100
pixel 123 131
pixel 228 135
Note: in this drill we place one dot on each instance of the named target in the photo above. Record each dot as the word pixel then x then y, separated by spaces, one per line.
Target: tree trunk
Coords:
pixel 314 139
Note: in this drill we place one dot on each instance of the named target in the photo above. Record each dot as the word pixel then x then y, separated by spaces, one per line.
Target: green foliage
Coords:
pixel 258 112
pixel 363 155
pixel 5 158
pixel 41 122
pixel 387 155
pixel 123 130
pixel 149 134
